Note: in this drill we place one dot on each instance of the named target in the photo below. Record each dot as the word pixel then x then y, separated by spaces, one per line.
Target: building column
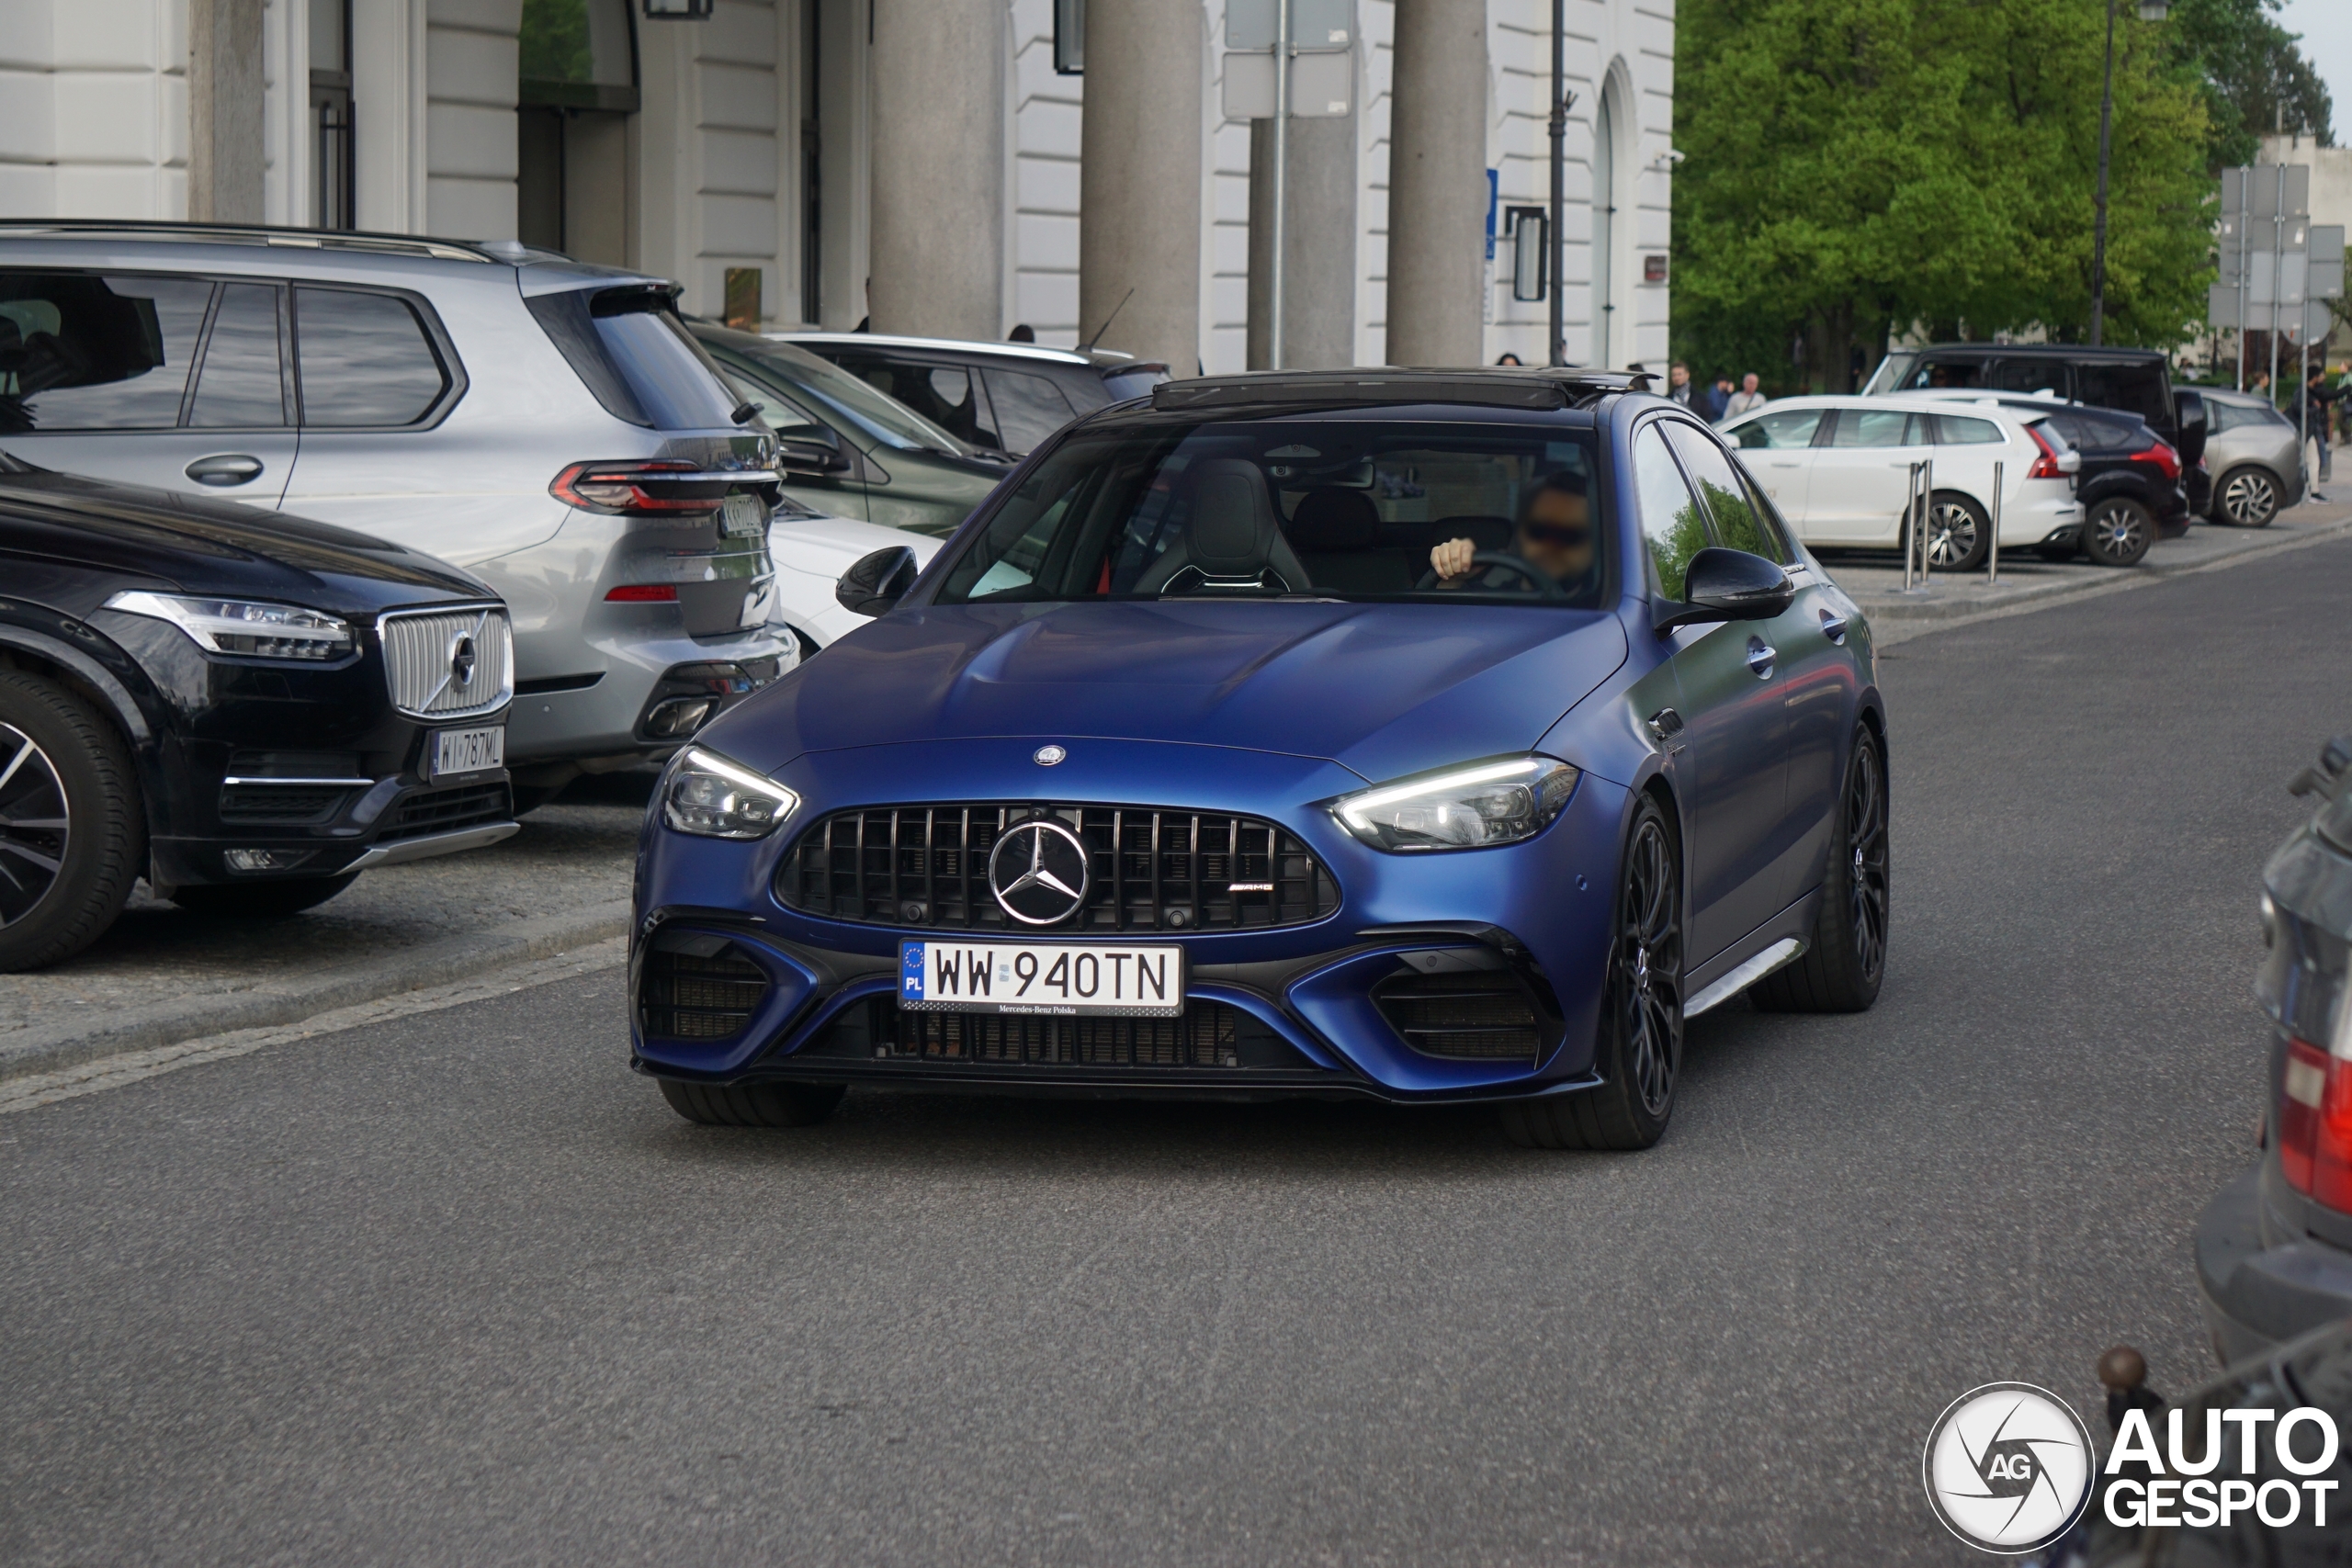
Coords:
pixel 1319 245
pixel 1437 184
pixel 937 202
pixel 1139 179
pixel 225 157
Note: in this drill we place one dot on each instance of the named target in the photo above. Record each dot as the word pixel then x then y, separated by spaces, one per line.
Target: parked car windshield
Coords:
pixel 1322 507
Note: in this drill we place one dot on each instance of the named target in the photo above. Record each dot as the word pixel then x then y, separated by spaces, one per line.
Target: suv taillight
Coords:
pixel 636 488
pixel 2166 460
pixel 2315 1124
pixel 2046 465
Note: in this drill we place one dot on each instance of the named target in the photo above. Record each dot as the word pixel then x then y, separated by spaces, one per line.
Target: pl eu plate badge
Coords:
pixel 910 971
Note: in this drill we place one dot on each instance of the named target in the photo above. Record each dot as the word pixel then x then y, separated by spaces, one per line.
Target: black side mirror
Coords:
pixel 2189 413
pixel 811 458
pixel 1728 585
pixel 875 582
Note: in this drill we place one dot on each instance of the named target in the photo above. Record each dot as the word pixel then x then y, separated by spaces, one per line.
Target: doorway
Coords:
pixel 579 85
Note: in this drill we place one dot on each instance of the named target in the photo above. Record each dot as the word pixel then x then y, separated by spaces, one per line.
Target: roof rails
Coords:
pixel 1543 387
pixel 506 251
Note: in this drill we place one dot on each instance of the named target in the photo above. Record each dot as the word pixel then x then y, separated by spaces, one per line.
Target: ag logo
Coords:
pixel 2008 1467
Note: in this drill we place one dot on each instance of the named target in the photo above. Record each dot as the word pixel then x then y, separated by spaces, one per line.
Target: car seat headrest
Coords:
pixel 1333 517
pixel 1233 528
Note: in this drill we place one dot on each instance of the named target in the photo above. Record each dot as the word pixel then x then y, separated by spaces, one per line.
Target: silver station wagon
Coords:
pixel 549 426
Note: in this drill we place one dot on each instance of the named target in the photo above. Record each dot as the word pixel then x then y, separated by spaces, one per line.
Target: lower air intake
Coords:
pixel 685 996
pixel 1483 1015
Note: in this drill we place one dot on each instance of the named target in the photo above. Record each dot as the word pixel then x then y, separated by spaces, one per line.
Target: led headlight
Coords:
pixel 1461 809
pixel 713 798
pixel 254 629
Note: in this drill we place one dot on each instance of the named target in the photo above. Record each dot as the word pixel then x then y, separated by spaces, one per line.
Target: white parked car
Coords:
pixel 812 553
pixel 1838 468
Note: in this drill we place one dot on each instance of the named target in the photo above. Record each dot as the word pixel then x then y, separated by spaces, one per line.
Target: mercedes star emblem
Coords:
pixel 1047 756
pixel 1038 873
pixel 461 661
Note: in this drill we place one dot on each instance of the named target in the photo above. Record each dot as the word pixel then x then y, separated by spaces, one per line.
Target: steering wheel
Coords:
pixel 1541 582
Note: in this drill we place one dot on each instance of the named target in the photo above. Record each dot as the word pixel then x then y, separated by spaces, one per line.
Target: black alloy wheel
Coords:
pixel 1640 1049
pixel 1845 957
pixel 2247 498
pixel 72 831
pixel 1960 534
pixel 2117 532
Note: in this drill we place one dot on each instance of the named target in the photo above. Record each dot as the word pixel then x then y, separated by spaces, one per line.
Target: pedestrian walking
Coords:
pixel 1748 399
pixel 2260 387
pixel 1677 383
pixel 2309 411
pixel 1510 360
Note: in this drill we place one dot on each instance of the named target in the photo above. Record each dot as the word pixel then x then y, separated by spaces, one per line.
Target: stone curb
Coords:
pixel 47 1050
pixel 1912 617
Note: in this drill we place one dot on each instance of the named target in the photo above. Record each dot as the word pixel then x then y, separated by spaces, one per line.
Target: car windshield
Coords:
pixel 873 413
pixel 1324 507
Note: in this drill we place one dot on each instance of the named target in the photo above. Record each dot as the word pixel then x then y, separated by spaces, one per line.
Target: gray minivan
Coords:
pixel 548 425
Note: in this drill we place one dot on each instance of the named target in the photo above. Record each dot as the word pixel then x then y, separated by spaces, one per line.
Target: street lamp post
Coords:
pixel 2150 11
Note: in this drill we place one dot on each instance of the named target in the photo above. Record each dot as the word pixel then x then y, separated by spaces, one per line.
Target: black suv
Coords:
pixel 2132 483
pixel 1005 396
pixel 246 708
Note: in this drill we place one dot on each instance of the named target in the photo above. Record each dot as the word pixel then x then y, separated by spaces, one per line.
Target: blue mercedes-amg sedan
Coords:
pixel 1429 735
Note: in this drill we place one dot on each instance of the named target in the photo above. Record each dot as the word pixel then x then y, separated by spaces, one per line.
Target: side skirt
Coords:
pixel 1785 950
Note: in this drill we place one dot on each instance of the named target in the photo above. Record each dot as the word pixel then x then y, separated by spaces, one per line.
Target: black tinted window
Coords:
pixel 1028 408
pixel 79 352
pixel 629 348
pixel 2135 388
pixel 2029 376
pixel 364 359
pixel 242 383
pixel 947 395
pixel 1949 373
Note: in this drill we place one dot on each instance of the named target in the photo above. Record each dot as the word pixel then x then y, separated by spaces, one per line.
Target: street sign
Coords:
pixel 1322 86
pixel 1315 25
pixel 2255 191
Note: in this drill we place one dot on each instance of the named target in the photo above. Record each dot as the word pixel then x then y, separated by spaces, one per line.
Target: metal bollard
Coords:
pixel 1993 558
pixel 1910 524
pixel 1926 523
pixel 1917 517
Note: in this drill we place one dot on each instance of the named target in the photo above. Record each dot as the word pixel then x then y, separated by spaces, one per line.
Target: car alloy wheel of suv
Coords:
pixel 2117 532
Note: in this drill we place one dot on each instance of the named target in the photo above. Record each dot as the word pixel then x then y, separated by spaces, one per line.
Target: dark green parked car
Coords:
pixel 848 449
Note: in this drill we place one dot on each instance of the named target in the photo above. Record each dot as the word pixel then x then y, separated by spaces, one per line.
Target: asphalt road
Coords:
pixel 458 1288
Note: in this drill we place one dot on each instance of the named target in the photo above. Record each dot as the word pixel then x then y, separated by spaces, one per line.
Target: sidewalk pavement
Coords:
pixel 163 975
pixel 1874 578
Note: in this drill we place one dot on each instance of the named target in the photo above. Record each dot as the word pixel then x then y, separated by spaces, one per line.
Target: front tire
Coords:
pixel 2248 497
pixel 1960 534
pixel 752 1104
pixel 1640 1054
pixel 261 900
pixel 2118 532
pixel 71 829
pixel 1845 956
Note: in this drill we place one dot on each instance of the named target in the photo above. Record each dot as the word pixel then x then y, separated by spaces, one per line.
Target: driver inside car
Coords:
pixel 1554 535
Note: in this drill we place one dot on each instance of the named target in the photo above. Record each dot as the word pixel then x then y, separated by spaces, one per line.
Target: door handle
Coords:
pixel 1760 657
pixel 1833 625
pixel 225 468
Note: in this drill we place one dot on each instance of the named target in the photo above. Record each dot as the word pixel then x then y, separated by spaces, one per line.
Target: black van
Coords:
pixel 2135 380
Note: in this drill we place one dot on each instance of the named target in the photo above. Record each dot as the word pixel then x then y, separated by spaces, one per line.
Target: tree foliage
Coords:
pixel 1854 165
pixel 2251 73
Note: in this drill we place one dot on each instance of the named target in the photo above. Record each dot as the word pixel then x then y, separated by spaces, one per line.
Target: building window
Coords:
pixel 330 113
pixel 577 88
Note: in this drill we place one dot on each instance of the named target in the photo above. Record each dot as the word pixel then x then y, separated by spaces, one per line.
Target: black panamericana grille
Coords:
pixel 448 810
pixel 1207 1034
pixel 1150 869
pixel 685 996
pixel 1483 1015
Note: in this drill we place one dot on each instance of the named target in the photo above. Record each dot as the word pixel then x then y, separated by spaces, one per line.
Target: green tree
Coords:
pixel 2253 74
pixel 1853 165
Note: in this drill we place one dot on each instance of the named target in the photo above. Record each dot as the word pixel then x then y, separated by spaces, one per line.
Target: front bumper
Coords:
pixel 2260 1289
pixel 1315 1009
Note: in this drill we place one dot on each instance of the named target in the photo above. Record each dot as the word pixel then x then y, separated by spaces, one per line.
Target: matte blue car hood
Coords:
pixel 1382 689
